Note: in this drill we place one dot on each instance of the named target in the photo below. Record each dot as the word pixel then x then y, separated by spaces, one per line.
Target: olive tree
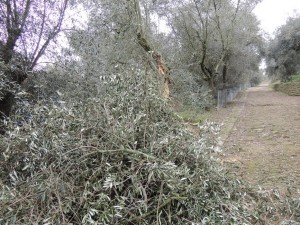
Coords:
pixel 283 53
pixel 118 36
pixel 212 33
pixel 28 28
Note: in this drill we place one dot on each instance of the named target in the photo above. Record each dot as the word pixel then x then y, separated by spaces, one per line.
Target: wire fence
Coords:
pixel 229 94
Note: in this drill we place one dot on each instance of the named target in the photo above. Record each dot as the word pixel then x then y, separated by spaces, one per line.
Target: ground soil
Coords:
pixel 261 138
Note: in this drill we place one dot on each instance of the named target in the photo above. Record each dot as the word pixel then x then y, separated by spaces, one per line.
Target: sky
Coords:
pixel 273 13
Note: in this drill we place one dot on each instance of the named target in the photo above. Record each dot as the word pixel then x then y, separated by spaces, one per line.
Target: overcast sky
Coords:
pixel 273 13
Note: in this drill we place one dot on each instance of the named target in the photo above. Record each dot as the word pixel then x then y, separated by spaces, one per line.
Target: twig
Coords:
pixel 158 208
pixel 119 150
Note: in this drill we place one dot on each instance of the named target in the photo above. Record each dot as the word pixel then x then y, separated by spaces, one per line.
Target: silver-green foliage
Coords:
pixel 6 85
pixel 283 51
pixel 118 158
pixel 191 92
pixel 219 40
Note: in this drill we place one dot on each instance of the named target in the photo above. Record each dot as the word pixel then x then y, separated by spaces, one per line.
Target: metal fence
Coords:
pixel 229 94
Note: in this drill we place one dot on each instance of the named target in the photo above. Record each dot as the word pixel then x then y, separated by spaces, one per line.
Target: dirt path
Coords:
pixel 261 138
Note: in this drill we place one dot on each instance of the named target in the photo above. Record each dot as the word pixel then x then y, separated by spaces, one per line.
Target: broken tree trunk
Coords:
pixel 160 64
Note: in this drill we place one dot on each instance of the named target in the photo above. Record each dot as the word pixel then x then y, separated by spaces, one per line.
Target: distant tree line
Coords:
pixel 283 52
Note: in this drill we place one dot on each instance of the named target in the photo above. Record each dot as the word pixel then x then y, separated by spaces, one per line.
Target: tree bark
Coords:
pixel 161 66
pixel 212 84
pixel 224 75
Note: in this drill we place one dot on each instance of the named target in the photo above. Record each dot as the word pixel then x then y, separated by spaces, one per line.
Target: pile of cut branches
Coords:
pixel 114 159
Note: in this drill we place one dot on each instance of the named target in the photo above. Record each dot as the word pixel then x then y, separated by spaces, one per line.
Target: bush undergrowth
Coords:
pixel 295 78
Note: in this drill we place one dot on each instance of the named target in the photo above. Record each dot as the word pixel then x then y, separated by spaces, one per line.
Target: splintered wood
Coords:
pixel 160 64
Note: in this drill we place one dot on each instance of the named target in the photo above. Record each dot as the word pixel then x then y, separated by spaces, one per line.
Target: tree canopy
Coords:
pixel 28 27
pixel 220 40
pixel 283 53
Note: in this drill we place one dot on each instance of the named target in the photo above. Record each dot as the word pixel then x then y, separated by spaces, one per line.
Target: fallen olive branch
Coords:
pixel 157 209
pixel 131 151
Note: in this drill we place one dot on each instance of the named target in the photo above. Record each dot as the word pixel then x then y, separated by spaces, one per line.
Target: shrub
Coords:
pixel 190 93
pixel 295 78
pixel 254 81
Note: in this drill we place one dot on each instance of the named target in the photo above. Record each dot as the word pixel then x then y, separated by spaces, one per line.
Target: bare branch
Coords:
pixel 56 30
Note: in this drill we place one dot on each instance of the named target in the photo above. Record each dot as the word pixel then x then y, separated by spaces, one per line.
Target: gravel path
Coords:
pixel 261 138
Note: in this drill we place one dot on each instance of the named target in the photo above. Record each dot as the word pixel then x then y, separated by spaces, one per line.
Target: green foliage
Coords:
pixel 273 206
pixel 114 159
pixel 8 87
pixel 3 81
pixel 290 88
pixel 283 51
pixel 191 116
pixel 295 78
pixel 219 41
pixel 256 80
pixel 190 93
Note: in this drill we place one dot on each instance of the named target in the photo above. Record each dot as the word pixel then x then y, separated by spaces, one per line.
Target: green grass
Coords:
pixel 291 87
pixel 295 78
pixel 191 116
pixel 275 85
